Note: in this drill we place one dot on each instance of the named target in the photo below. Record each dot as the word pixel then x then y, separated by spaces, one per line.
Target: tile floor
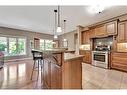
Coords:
pixel 99 78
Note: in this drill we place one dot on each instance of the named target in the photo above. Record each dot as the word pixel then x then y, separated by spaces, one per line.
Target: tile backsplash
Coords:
pixel 122 47
pixel 85 47
pixel 103 41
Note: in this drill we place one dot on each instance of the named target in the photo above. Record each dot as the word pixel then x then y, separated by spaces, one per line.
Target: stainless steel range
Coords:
pixel 100 55
pixel 100 58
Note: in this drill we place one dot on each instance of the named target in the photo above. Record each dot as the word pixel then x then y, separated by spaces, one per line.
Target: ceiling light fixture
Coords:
pixel 55 35
pixel 97 8
pixel 64 30
pixel 58 27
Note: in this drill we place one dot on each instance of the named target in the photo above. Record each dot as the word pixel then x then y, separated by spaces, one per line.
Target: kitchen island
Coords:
pixel 62 70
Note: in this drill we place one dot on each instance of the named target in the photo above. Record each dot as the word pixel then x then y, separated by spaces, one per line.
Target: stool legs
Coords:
pixel 38 69
pixel 33 69
pixel 41 70
pixel 39 63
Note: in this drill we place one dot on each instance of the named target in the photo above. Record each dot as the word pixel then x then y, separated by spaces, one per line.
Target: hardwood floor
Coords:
pixel 16 75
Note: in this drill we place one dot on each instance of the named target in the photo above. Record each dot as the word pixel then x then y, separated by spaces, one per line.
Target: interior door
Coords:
pixel 36 43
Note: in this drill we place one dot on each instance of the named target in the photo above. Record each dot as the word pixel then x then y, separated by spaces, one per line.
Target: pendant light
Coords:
pixel 64 30
pixel 58 27
pixel 55 35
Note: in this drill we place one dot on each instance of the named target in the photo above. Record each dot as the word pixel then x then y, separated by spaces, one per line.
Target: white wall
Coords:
pixel 28 34
pixel 70 38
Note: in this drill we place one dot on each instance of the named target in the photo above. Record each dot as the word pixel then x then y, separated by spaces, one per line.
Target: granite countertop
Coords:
pixel 67 56
pixel 54 50
pixel 70 56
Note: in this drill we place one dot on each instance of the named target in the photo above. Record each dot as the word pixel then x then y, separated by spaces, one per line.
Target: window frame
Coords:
pixel 45 43
pixel 17 37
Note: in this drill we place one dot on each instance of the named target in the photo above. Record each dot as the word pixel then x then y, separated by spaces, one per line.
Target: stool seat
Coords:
pixel 38 58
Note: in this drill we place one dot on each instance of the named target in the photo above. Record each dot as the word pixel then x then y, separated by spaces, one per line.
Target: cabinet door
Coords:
pixel 125 32
pixel 47 74
pixel 111 28
pixel 119 61
pixel 85 37
pixel 100 31
pixel 121 31
pixel 92 33
pixel 56 76
pixel 82 52
pixel 87 56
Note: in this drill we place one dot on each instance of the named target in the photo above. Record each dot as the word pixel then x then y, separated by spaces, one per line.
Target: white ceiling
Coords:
pixel 41 18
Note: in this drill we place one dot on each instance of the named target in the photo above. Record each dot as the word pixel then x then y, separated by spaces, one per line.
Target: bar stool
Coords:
pixel 38 58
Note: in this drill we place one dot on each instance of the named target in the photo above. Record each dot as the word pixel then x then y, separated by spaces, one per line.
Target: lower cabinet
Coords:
pixel 119 61
pixel 87 56
pixel 52 75
pixel 56 78
pixel 47 73
pixel 67 75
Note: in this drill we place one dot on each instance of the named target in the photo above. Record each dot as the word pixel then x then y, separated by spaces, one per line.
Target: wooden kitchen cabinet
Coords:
pixel 119 61
pixel 105 30
pixel 122 32
pixel 64 75
pixel 47 73
pixel 86 37
pixel 87 56
pixel 56 78
pixel 52 72
pixel 111 28
pixel 92 33
pixel 100 31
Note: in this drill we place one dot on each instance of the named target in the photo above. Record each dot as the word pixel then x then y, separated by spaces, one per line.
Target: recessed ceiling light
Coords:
pixel 94 9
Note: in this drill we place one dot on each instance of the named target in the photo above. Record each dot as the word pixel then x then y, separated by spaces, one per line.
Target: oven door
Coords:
pixel 99 57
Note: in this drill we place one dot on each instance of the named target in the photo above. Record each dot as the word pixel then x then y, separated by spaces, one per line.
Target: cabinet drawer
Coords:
pixel 119 61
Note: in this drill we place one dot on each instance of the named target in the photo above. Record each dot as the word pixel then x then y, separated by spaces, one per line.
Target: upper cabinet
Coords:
pixel 106 29
pixel 86 37
pixel 111 28
pixel 92 33
pixel 122 32
pixel 100 31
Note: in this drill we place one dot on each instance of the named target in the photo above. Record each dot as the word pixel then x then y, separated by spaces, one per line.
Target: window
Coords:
pixel 21 46
pixel 12 46
pixel 3 45
pixel 42 44
pixel 65 44
pixel 48 44
pixel 45 44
